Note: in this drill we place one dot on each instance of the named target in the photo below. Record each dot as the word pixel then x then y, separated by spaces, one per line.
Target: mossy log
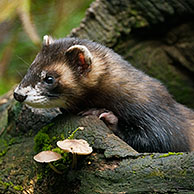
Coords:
pixel 114 167
pixel 155 36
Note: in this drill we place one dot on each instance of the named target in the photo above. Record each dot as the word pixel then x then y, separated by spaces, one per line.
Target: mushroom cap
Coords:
pixel 47 156
pixel 75 146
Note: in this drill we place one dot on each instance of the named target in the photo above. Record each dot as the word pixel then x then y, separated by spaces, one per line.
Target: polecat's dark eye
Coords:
pixel 49 79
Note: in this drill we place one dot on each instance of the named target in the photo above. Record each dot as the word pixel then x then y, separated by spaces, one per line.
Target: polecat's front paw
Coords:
pixel 110 120
pixel 107 116
pixel 93 111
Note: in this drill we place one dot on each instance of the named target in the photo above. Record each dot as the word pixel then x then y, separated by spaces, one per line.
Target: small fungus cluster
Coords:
pixel 74 146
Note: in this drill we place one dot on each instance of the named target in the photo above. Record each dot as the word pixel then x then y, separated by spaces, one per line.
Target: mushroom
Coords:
pixel 48 157
pixel 75 146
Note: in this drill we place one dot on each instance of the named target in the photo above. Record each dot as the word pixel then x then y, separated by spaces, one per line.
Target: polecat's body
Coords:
pixel 79 74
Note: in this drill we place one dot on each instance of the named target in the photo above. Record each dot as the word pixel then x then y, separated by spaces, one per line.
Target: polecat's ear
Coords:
pixel 79 58
pixel 47 40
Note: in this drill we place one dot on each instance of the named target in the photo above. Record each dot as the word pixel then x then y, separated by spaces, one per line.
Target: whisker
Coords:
pixel 23 60
pixel 19 73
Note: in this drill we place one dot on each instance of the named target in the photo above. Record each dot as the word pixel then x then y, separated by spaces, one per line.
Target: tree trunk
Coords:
pixel 155 36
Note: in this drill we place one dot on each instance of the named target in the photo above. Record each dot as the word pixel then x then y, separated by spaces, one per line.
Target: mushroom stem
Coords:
pixel 57 171
pixel 74 163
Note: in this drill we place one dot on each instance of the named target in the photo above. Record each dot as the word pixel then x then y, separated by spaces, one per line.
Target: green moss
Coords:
pixel 157 173
pixel 47 127
pixel 42 142
pixel 6 185
pixel 3 152
pixel 39 176
pixel 12 141
pixel 58 150
pixel 137 20
pixel 152 155
pixel 42 139
pixel 18 188
pixel 62 136
pixel 140 22
pixel 170 154
pixel 134 12
pixel 183 172
pixel 4 145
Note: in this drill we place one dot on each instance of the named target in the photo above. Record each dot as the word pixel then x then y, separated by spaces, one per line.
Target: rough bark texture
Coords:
pixel 112 168
pixel 155 36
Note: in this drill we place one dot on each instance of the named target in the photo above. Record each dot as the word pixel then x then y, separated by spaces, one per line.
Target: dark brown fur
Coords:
pixel 149 119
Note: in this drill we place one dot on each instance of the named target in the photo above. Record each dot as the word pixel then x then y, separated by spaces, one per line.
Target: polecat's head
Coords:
pixel 55 78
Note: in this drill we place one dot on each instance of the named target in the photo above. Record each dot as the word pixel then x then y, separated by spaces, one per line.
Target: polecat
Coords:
pixel 80 74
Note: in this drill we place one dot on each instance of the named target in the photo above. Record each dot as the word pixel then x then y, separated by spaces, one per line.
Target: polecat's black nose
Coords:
pixel 19 97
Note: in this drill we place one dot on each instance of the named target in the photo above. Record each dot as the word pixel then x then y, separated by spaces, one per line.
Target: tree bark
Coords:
pixel 155 36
